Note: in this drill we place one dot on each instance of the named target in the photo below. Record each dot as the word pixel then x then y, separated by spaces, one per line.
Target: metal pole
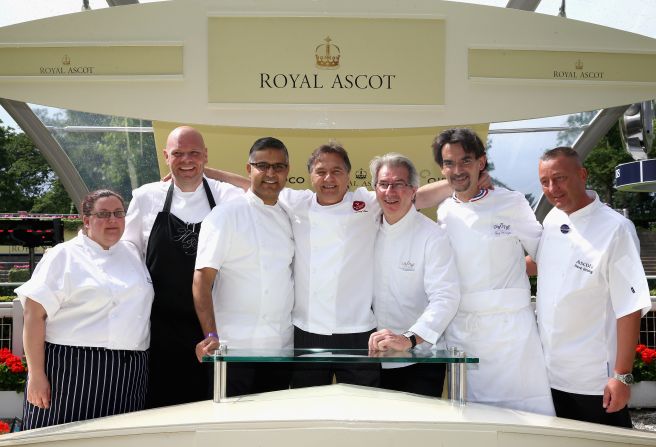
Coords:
pixel 456 375
pixel 462 381
pixel 220 375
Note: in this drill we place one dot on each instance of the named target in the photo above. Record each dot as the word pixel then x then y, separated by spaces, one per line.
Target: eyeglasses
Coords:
pixel 383 186
pixel 264 166
pixel 106 214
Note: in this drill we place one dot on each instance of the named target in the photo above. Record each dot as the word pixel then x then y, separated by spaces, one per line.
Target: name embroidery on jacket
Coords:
pixel 584 266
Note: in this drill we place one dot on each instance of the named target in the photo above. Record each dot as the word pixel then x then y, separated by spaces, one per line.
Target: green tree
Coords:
pixel 121 161
pixel 25 176
pixel 601 164
pixel 55 201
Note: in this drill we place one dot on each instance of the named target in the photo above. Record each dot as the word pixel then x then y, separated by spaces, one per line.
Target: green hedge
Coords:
pixel 73 225
pixel 7 298
pixel 19 275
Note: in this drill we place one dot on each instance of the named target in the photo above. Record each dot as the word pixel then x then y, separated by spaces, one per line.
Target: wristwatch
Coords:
pixel 412 337
pixel 626 379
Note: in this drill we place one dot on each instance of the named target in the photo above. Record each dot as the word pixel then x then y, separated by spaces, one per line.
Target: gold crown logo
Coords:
pixel 66 60
pixel 361 174
pixel 579 65
pixel 327 55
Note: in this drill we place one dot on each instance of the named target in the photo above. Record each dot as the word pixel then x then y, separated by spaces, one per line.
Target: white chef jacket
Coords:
pixel 333 271
pixel 589 275
pixel 252 247
pixel 192 207
pixel 416 286
pixel 93 297
pixel 495 321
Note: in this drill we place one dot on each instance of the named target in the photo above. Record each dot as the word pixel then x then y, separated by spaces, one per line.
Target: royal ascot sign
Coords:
pixel 326 60
pixel 66 69
pixel 91 60
pixel 578 73
pixel 327 57
pixel 323 64
pixel 562 65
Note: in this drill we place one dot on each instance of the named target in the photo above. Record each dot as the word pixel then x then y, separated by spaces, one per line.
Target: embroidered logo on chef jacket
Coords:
pixel 584 266
pixel 359 206
pixel 407 266
pixel 501 229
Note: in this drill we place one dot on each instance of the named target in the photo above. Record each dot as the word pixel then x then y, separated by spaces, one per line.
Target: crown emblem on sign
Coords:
pixel 66 60
pixel 361 174
pixel 327 55
pixel 579 65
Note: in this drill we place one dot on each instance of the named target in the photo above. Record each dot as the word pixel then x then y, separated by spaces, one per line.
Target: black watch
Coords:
pixel 412 337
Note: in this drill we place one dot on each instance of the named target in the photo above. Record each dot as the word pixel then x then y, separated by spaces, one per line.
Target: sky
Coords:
pixel 638 16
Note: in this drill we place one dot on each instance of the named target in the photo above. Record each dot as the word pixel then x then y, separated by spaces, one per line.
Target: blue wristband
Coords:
pixel 212 334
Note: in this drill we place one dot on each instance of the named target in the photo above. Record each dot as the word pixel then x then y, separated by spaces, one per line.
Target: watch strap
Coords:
pixel 412 337
pixel 626 379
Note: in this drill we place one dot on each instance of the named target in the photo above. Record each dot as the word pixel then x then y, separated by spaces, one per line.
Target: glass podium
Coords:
pixel 454 359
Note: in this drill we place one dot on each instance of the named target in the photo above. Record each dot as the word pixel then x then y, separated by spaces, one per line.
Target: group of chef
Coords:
pixel 258 265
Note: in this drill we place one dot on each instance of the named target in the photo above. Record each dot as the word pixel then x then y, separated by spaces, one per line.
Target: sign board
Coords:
pixel 294 64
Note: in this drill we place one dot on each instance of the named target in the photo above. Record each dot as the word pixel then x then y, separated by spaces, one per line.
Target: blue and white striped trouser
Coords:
pixel 89 382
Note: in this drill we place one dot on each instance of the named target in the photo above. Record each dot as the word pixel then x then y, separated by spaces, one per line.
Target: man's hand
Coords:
pixel 616 395
pixel 38 390
pixel 206 347
pixel 485 181
pixel 386 339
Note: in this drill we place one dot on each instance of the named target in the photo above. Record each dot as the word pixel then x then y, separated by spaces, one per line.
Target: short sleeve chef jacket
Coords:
pixel 416 284
pixel 252 247
pixel 333 272
pixel 148 200
pixel 93 297
pixel 589 275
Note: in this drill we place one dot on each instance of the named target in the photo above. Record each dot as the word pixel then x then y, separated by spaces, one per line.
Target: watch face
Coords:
pixel 626 379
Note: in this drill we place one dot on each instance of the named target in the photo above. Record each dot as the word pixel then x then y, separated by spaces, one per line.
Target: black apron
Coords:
pixel 175 376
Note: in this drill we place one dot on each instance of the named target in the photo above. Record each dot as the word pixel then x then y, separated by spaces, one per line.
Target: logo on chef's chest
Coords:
pixel 359 206
pixel 501 229
pixel 584 266
pixel 407 266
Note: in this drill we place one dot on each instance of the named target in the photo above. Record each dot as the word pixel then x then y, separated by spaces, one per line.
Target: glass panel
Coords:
pixel 572 120
pixel 514 149
pixel 108 151
pixel 337 356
